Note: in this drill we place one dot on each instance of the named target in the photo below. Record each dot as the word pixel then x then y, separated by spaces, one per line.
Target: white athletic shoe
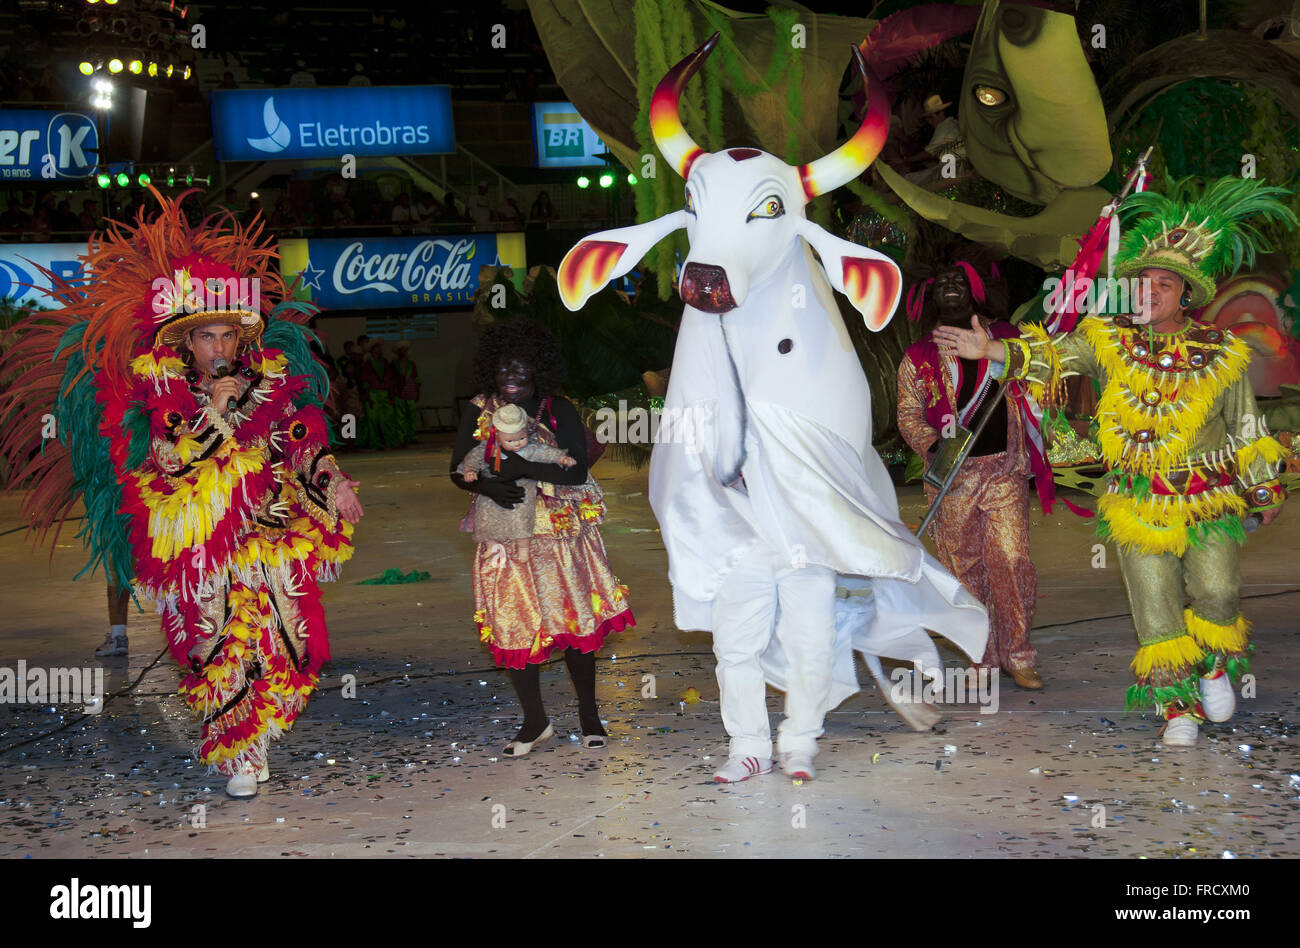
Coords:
pixel 1218 698
pixel 737 769
pixel 798 766
pixel 113 645
pixel 264 774
pixel 243 784
pixel 1181 732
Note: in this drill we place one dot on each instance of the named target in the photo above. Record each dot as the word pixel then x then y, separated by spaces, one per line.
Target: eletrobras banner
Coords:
pixel 275 124
pixel 396 272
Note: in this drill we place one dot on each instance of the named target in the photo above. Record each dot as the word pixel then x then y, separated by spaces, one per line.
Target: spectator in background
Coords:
pixel 250 215
pixel 282 216
pixel 426 208
pixel 231 202
pixel 302 78
pixel 378 426
pixel 509 211
pixel 511 87
pixel 450 213
pixel 946 139
pixel 133 209
pixel 89 219
pixel 63 219
pixel 227 81
pixel 14 220
pixel 373 369
pixel 46 205
pixel 40 227
pixel 349 355
pixel 542 212
pixel 359 77
pixel 403 213
pixel 341 212
pixel 404 386
pixel 480 207
pixel 347 398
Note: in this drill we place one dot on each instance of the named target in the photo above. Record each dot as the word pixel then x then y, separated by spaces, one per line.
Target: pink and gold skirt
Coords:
pixel 564 596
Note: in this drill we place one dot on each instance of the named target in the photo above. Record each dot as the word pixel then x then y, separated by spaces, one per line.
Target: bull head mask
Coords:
pixel 744 210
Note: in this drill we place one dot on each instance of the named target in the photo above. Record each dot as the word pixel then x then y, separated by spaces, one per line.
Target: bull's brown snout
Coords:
pixel 705 287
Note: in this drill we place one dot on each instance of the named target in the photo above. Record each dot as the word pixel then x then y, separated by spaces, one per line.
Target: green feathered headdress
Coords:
pixel 1201 236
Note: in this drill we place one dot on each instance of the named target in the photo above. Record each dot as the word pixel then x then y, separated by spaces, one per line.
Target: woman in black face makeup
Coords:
pixel 564 596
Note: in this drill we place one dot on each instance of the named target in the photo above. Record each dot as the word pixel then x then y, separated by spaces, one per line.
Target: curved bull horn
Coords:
pixel 671 137
pixel 852 158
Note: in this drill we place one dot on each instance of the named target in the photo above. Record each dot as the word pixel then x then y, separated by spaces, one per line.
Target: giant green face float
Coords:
pixel 1031 113
pixel 1033 123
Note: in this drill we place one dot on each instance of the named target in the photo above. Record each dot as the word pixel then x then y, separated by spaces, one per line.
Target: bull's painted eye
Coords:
pixel 690 202
pixel 990 95
pixel 770 206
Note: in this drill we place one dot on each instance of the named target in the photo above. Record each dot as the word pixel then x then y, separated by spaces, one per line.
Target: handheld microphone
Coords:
pixel 220 368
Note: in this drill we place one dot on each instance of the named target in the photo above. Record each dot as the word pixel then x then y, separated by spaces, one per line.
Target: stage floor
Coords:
pixel 411 765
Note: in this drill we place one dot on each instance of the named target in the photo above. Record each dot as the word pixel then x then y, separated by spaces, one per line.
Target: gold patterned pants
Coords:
pixel 982 535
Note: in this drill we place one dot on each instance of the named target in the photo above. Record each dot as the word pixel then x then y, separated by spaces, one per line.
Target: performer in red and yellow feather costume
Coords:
pixel 235 508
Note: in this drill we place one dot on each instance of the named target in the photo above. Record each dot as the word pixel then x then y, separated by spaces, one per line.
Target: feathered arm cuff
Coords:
pixel 303 439
pixel 1033 357
pixel 1257 469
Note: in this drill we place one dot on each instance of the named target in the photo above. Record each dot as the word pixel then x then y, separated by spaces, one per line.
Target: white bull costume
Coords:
pixel 763 478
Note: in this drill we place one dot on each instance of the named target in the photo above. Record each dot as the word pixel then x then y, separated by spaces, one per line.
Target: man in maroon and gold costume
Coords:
pixel 219 453
pixel 981 530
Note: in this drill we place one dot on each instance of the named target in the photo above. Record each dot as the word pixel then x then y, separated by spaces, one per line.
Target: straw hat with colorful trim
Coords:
pixel 1200 235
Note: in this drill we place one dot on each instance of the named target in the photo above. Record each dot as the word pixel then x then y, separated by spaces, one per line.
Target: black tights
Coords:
pixel 582 669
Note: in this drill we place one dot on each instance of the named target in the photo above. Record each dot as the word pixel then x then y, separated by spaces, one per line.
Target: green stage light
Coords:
pixel 123 179
pixel 631 178
pixel 143 178
pixel 136 67
pixel 606 180
pixel 171 180
pixel 103 180
pixel 189 179
pixel 583 181
pixel 85 67
pixel 115 65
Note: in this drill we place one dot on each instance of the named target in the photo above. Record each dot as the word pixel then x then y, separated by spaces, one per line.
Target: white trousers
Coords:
pixel 744 613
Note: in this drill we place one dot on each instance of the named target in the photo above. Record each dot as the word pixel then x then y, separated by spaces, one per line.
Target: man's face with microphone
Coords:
pixel 212 342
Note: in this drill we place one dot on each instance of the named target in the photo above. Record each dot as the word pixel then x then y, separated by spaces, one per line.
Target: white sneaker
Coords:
pixel 242 784
pixel 264 774
pixel 1181 732
pixel 1218 698
pixel 798 766
pixel 113 645
pixel 737 769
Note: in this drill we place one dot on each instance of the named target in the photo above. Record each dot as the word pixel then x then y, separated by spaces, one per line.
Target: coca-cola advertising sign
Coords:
pixel 396 272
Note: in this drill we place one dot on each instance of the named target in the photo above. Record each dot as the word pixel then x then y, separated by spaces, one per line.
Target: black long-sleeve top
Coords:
pixel 570 434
